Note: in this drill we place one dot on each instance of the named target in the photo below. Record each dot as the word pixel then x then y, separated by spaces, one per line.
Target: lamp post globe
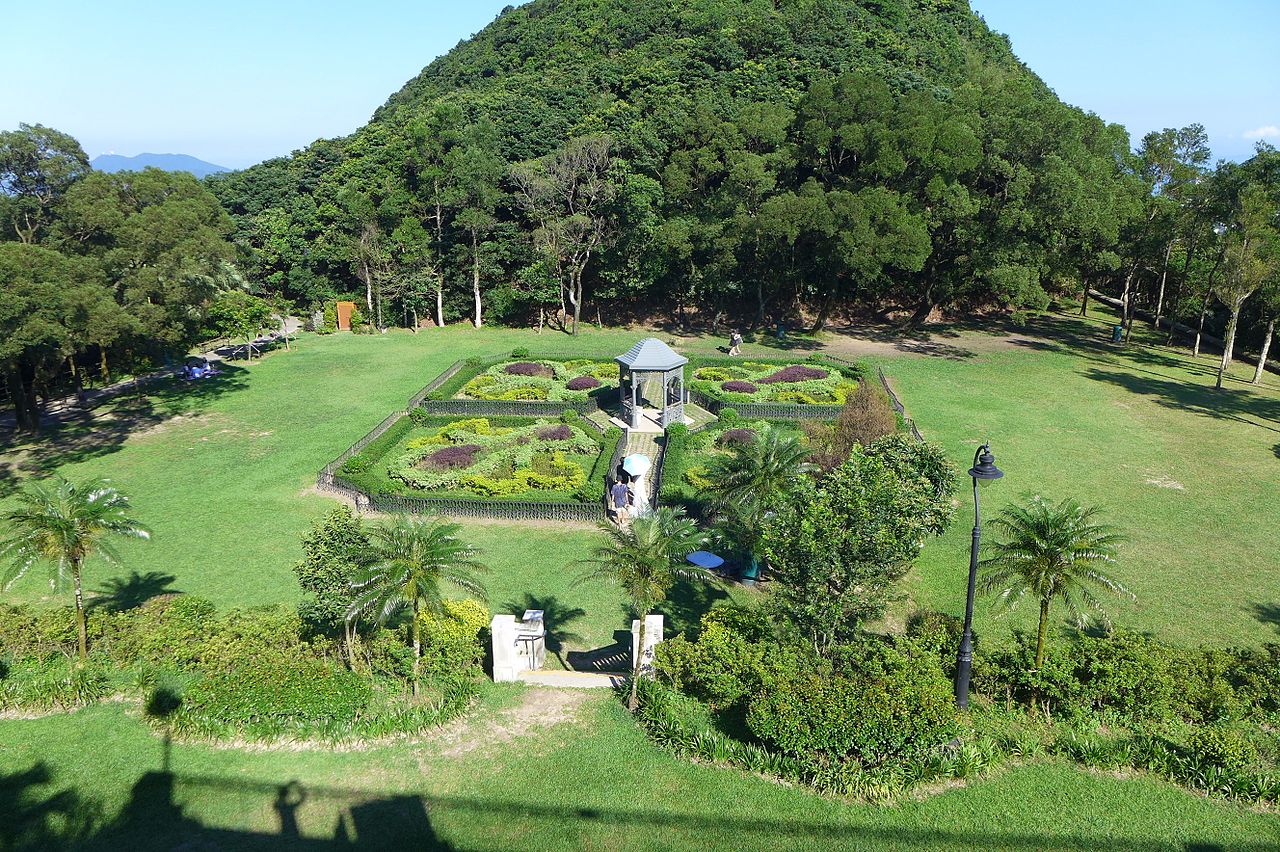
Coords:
pixel 984 471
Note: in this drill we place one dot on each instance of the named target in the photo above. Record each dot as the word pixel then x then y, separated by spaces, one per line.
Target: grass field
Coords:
pixel 224 474
pixel 591 782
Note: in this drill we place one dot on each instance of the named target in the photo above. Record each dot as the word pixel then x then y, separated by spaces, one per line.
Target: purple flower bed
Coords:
pixel 738 386
pixel 794 373
pixel 527 368
pixel 555 433
pixel 583 383
pixel 452 457
pixel 737 436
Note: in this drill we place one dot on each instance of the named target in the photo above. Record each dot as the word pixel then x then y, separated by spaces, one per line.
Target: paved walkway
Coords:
pixel 574 680
pixel 650 444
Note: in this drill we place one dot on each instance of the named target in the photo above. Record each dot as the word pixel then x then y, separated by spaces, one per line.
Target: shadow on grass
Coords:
pixel 1267 613
pixel 157 817
pixel 76 435
pixel 124 593
pixel 614 657
pixel 1225 404
pixel 556 618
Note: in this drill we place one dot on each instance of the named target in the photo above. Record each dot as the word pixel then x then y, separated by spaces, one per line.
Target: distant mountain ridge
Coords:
pixel 167 162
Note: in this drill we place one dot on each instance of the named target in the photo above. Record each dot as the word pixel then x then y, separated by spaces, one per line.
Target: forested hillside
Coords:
pixel 775 160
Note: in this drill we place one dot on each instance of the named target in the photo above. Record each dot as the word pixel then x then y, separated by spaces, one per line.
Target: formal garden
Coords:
pixel 823 676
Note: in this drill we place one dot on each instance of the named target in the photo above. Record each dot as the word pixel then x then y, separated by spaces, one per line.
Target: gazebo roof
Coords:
pixel 651 355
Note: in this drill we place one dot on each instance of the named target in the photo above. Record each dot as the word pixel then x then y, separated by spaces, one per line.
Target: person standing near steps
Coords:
pixel 620 502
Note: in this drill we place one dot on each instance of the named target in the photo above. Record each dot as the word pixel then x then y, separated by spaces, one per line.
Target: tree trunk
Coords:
pixel 102 358
pixel 82 630
pixel 349 636
pixel 1084 300
pixel 1229 343
pixel 1266 348
pixel 634 702
pixel 1164 272
pixel 1204 309
pixel 18 393
pixel 475 274
pixel 439 302
pixel 1182 283
pixel 1041 632
pixel 417 649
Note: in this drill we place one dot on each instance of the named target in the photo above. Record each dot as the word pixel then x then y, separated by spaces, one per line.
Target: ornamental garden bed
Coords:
pixel 816 382
pixel 688 453
pixel 487 458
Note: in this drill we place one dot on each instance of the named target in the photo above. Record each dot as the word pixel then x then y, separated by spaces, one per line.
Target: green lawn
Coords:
pixel 1191 474
pixel 592 781
pixel 228 489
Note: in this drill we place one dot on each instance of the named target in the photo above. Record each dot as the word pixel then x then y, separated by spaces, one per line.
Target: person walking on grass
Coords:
pixel 735 344
pixel 620 502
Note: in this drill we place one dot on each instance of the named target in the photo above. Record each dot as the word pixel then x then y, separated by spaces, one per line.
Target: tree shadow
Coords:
pixel 123 593
pixel 34 817
pixel 1267 613
pixel 77 434
pixel 686 603
pixel 556 618
pixel 1198 399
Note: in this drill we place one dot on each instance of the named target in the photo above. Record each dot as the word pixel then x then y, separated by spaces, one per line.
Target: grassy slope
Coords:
pixel 228 495
pixel 1188 472
pixel 593 784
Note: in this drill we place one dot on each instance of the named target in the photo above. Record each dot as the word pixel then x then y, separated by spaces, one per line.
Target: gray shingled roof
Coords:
pixel 651 354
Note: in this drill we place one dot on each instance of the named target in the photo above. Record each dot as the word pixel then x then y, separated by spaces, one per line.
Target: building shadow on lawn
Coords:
pixel 1225 404
pixel 77 435
pixel 158 817
pixel 124 593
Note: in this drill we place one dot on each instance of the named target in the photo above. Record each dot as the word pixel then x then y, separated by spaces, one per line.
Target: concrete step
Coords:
pixel 573 680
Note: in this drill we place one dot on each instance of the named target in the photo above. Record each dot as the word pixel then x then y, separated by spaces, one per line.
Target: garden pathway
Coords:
pixel 650 444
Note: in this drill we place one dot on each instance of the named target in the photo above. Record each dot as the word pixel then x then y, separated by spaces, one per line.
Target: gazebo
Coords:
pixel 646 363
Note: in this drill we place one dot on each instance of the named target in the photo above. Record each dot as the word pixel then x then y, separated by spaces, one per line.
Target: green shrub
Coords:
pixel 729 415
pixel 893 707
pixel 1223 746
pixel 54 683
pixel 452 643
pixel 520 353
pixel 272 695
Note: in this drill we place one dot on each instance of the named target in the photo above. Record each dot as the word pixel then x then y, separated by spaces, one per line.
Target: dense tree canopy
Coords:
pixel 779 160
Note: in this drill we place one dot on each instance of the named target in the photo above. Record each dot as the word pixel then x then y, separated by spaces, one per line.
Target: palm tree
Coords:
pixel 1052 553
pixel 64 525
pixel 645 560
pixel 409 560
pixel 764 469
pixel 750 480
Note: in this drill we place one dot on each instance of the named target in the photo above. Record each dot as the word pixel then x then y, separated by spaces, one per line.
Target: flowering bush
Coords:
pixel 552 381
pixel 736 386
pixel 562 432
pixel 737 436
pixel 527 368
pixel 496 461
pixel 452 457
pixel 753 381
pixel 794 373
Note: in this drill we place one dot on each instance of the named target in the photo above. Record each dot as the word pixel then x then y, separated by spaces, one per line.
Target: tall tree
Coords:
pixel 37 166
pixel 1252 255
pixel 477 168
pixel 1051 553
pixel 409 561
pixel 836 548
pixel 64 525
pixel 570 194
pixel 645 559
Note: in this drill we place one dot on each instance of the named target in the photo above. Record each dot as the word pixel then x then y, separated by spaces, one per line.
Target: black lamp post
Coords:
pixel 984 470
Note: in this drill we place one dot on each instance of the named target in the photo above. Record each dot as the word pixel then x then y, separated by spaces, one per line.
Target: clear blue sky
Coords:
pixel 242 80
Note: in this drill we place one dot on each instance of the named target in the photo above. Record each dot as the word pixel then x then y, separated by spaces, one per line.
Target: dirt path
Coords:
pixel 539 709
